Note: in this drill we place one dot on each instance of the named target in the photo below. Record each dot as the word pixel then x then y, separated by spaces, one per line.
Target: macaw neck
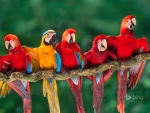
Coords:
pixel 16 50
pixel 95 50
pixel 66 44
pixel 126 32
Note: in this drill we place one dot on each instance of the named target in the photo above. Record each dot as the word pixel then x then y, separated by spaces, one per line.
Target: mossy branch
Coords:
pixel 114 65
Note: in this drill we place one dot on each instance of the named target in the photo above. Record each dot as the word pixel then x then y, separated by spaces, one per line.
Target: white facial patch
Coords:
pixel 69 36
pixel 10 44
pixel 102 45
pixel 48 37
pixel 128 23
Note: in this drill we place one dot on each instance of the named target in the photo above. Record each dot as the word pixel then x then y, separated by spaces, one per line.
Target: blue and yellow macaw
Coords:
pixel 45 58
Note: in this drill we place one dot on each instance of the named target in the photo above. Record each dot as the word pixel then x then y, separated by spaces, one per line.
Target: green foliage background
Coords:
pixel 28 19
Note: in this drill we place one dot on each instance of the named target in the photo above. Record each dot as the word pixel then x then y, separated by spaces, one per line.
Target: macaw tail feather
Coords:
pixel 98 89
pixel 76 90
pixel 23 89
pixel 27 101
pixel 50 90
pixel 27 105
pixel 122 89
pixel 4 89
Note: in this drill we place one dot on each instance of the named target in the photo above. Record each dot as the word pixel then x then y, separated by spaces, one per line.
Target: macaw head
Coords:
pixel 11 42
pixel 69 36
pixel 128 23
pixel 48 37
pixel 100 43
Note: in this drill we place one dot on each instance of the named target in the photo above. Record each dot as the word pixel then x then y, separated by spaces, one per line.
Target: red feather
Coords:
pixel 67 52
pixel 95 57
pixel 126 46
pixel 16 61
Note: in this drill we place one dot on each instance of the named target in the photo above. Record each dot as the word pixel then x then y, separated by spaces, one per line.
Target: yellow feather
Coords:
pixel 43 58
pixel 52 97
pixel 3 89
pixel 44 87
pixel 6 91
pixel 9 89
pixel 1 85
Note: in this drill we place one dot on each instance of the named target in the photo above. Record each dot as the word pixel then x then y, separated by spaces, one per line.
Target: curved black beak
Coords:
pixel 132 26
pixel 53 39
pixel 103 46
pixel 71 39
pixel 9 46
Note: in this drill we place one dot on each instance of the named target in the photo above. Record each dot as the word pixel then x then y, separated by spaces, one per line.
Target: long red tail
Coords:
pixel 122 89
pixel 27 101
pixel 76 90
pixel 19 87
pixel 98 89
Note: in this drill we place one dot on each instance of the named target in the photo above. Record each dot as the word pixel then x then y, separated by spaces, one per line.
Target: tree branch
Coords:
pixel 114 65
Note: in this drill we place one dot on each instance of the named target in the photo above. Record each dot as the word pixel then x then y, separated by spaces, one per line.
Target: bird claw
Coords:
pixel 68 71
pixel 8 74
pixel 119 63
pixel 39 72
pixel 134 59
pixel 80 69
pixel 57 72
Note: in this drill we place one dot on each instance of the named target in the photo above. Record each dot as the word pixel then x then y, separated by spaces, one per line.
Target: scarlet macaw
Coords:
pixel 17 61
pixel 126 46
pixel 96 56
pixel 45 58
pixel 71 59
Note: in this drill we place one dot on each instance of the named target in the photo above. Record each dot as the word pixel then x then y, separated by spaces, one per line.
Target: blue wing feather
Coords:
pixel 29 68
pixel 78 58
pixel 58 62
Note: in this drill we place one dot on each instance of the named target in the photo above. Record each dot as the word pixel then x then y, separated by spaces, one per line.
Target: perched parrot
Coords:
pixel 96 56
pixel 71 59
pixel 126 46
pixel 5 66
pixel 45 58
pixel 17 61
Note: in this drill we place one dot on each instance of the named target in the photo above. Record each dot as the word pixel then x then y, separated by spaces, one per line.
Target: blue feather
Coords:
pixel 29 68
pixel 78 58
pixel 50 80
pixel 58 62
pixel 82 64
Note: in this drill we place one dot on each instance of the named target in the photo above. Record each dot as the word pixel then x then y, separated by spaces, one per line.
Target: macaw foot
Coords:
pixel 119 63
pixel 80 69
pixel 8 74
pixel 95 66
pixel 133 58
pixel 39 72
pixel 68 71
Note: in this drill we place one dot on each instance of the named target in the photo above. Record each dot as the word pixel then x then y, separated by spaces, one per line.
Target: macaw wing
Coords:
pixel 135 73
pixel 58 62
pixel 5 65
pixel 33 53
pixel 79 59
pixel 58 48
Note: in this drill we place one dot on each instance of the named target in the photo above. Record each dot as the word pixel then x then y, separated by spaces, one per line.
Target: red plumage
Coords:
pixel 67 49
pixel 126 46
pixel 96 56
pixel 17 61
